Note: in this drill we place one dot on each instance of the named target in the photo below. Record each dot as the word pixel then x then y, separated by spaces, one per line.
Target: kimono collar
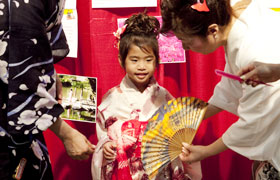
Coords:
pixel 128 85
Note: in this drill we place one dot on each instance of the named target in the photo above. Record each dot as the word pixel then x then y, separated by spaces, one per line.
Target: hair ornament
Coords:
pixel 201 7
pixel 118 34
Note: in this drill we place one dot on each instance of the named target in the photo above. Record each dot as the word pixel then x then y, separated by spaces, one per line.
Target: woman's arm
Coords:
pixel 76 144
pixel 211 111
pixel 191 153
pixel 258 71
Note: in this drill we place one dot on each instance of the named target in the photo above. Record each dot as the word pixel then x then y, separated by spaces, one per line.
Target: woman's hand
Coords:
pixel 109 150
pixel 259 72
pixel 191 153
pixel 76 144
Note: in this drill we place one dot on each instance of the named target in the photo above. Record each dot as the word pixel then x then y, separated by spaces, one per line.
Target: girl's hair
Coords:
pixel 141 30
pixel 179 16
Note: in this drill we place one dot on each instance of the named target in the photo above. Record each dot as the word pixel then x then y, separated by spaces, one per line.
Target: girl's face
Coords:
pixel 140 66
pixel 197 43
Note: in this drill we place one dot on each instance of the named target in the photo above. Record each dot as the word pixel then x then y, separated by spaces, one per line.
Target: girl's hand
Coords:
pixel 191 153
pixel 109 150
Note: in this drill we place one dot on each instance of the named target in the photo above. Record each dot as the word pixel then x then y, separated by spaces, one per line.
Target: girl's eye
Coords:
pixel 149 60
pixel 134 60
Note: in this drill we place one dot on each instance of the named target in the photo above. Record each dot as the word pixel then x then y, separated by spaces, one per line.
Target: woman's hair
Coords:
pixel 141 30
pixel 179 16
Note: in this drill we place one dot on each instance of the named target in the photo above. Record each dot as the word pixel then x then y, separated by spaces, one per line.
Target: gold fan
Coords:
pixel 173 123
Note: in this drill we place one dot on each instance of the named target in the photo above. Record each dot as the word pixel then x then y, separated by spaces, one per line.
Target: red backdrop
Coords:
pixel 97 57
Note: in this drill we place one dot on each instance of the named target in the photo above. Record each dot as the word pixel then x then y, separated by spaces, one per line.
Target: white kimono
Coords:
pixel 255 36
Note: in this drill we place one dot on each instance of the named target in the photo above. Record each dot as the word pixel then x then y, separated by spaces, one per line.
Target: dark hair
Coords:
pixel 178 16
pixel 142 30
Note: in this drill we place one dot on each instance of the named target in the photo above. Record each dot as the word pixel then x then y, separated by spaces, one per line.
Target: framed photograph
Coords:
pixel 123 3
pixel 79 97
pixel 170 48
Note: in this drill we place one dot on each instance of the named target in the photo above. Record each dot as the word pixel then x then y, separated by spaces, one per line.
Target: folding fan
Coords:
pixel 173 123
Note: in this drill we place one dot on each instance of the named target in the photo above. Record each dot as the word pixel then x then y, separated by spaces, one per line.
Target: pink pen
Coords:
pixel 234 77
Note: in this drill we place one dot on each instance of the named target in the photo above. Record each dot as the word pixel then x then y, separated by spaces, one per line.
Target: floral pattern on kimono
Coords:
pixel 127 134
pixel 29 33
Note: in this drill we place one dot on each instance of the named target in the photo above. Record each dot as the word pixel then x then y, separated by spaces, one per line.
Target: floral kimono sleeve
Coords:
pixel 97 158
pixel 101 130
pixel 58 42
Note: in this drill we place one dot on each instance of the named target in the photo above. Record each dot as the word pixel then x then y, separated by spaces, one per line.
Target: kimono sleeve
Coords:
pixel 97 158
pixel 56 34
pixel 253 135
pixel 226 94
pixel 168 95
pixel 58 43
pixel 101 131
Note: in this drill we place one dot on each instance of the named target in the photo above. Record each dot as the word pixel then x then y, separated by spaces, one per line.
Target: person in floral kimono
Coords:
pixel 31 41
pixel 126 108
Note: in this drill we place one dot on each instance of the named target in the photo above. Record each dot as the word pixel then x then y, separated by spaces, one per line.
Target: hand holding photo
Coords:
pixel 234 77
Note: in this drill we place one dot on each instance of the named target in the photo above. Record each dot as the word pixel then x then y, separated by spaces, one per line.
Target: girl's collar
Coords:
pixel 128 85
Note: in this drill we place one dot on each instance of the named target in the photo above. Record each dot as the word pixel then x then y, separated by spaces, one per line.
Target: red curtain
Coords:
pixel 97 57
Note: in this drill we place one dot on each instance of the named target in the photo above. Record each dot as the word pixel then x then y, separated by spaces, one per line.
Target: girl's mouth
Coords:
pixel 141 75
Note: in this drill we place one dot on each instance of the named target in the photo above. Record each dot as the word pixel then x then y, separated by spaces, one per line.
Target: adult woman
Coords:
pixel 31 40
pixel 248 32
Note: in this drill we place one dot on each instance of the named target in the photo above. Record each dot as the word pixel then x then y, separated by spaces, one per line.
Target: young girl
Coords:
pixel 248 32
pixel 126 108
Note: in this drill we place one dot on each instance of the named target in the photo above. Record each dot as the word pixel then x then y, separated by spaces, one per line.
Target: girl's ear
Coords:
pixel 120 61
pixel 213 30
